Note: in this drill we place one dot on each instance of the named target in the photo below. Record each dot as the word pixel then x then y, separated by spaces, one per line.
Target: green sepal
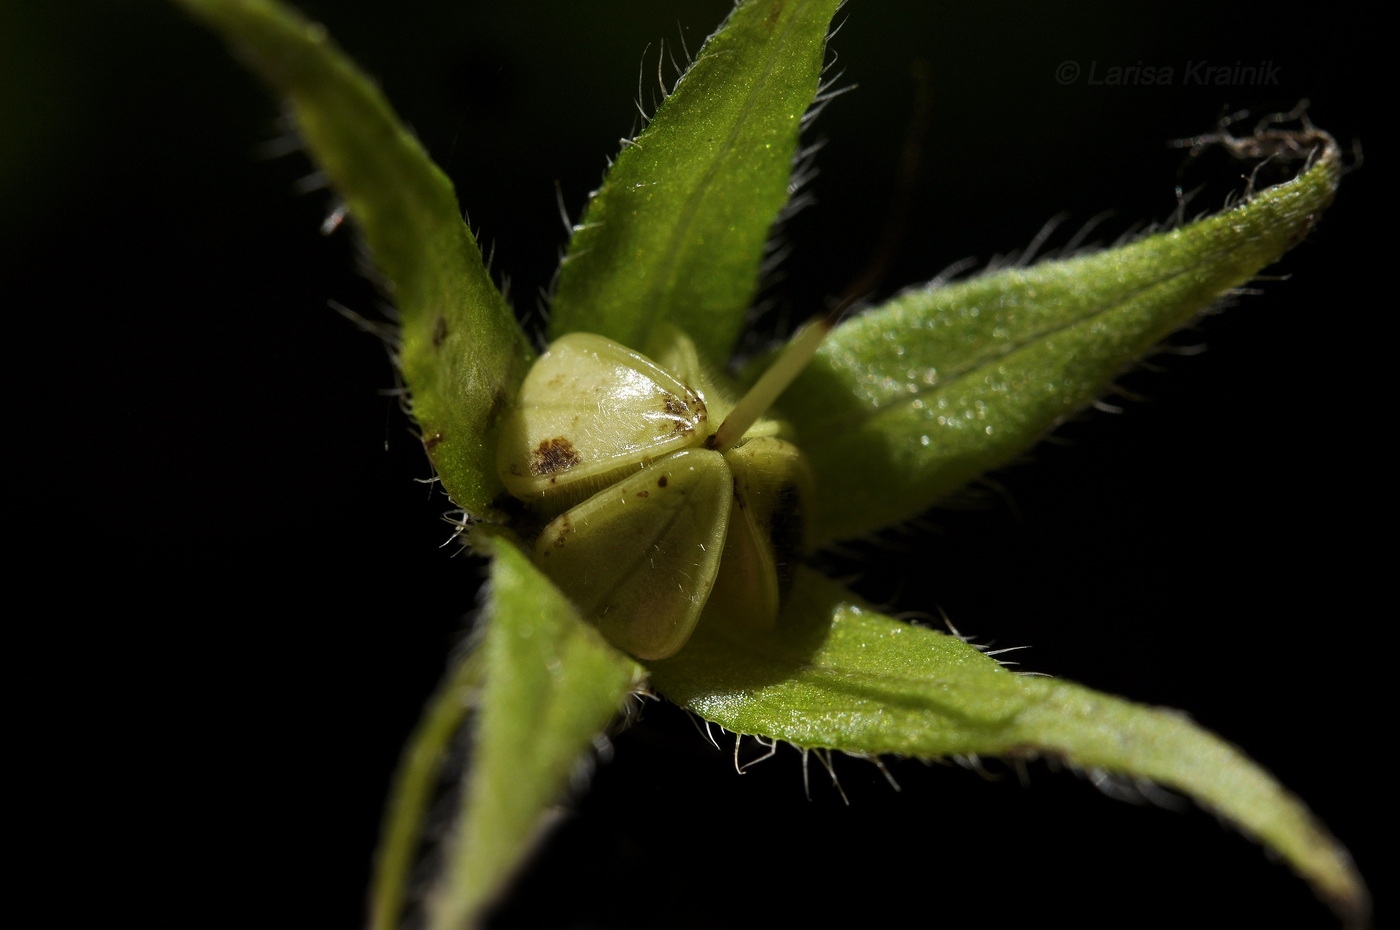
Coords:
pixel 542 687
pixel 837 674
pixel 460 350
pixel 416 780
pixel 909 401
pixel 676 233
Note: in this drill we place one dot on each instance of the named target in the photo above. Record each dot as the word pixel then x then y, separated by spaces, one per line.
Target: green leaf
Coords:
pixel 549 686
pixel 839 675
pixel 417 778
pixel 910 401
pixel 461 352
pixel 677 231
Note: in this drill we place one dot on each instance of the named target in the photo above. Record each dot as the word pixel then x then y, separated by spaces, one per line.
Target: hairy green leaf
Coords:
pixel 677 231
pixel 461 352
pixel 839 675
pixel 910 401
pixel 550 686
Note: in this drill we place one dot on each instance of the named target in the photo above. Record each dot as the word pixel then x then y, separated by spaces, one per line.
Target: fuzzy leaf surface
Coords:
pixel 910 401
pixel 837 674
pixel 461 352
pixel 676 233
pixel 551 685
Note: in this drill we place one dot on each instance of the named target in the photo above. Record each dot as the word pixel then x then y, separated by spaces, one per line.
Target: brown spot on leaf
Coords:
pixel 643 494
pixel 775 13
pixel 553 455
pixel 675 408
pixel 661 482
pixel 430 442
pixel 439 331
pixel 566 526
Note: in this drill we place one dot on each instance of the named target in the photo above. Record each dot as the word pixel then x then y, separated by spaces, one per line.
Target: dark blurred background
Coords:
pixel 251 597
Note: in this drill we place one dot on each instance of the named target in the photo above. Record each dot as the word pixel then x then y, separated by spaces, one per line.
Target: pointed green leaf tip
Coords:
pixel 910 401
pixel 552 685
pixel 541 685
pixel 839 675
pixel 677 231
pixel 460 349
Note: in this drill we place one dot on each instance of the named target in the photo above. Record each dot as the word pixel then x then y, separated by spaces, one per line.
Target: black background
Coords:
pixel 244 588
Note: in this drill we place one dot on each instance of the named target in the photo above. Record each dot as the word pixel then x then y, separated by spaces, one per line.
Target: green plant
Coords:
pixel 908 402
